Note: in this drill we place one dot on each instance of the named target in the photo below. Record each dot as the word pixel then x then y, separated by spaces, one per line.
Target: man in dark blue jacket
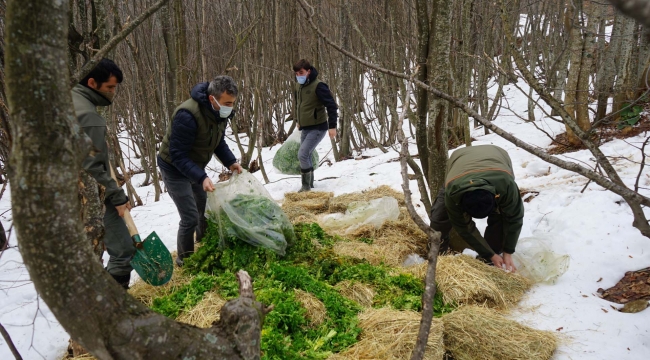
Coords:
pixel 195 133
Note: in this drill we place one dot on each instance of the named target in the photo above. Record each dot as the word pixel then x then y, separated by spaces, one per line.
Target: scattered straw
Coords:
pixel 390 254
pixel 316 311
pixel 391 334
pixel 419 271
pixel 473 332
pixel 303 206
pixel 464 280
pixel 356 291
pixel 205 312
pixel 340 203
pixel 145 293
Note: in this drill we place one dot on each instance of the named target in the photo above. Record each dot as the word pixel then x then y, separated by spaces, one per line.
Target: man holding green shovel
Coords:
pixel 98 89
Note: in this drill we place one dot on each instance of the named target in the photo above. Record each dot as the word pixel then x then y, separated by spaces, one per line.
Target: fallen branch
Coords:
pixel 10 343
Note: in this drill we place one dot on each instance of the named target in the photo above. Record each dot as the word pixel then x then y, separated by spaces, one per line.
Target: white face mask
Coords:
pixel 224 111
pixel 301 79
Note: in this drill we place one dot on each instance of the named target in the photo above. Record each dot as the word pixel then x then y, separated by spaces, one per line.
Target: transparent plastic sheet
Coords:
pixel 359 213
pixel 242 208
pixel 286 159
pixel 535 260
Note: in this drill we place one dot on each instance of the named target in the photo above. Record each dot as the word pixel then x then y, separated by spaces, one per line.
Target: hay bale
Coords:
pixel 418 271
pixel 473 332
pixel 145 293
pixel 464 280
pixel 206 312
pixel 340 203
pixel 390 254
pixel 297 214
pixel 302 207
pixel 357 292
pixel 391 334
pixel 316 311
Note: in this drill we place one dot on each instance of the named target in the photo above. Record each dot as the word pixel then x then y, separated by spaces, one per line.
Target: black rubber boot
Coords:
pixel 123 280
pixel 311 181
pixel 306 176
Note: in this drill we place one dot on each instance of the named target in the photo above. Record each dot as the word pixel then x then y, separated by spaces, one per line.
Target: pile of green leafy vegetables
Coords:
pixel 309 265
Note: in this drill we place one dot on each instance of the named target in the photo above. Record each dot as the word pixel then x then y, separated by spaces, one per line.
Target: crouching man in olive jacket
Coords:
pixel 480 183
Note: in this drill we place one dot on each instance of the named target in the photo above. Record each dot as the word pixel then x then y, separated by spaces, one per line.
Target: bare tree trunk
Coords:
pixel 624 66
pixel 47 223
pixel 441 77
pixel 576 42
pixel 594 14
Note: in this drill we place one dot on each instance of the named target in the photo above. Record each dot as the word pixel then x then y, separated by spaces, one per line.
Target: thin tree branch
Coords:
pixel 434 240
pixel 10 343
pixel 636 183
pixel 588 173
pixel 87 67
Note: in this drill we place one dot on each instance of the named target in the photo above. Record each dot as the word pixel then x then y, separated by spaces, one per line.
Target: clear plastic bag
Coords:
pixel 242 208
pixel 359 213
pixel 535 260
pixel 286 159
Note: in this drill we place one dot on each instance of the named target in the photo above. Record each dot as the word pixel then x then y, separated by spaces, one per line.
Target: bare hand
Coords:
pixel 332 133
pixel 122 208
pixel 510 265
pixel 497 260
pixel 236 167
pixel 208 185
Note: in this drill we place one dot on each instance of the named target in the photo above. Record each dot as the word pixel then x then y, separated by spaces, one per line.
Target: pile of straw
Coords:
pixel 316 311
pixel 304 206
pixel 390 334
pixel 391 243
pixel 340 203
pixel 473 332
pixel 464 280
pixel 205 312
pixel 357 292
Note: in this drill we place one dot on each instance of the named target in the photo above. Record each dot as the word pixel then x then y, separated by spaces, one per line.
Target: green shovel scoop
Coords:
pixel 152 260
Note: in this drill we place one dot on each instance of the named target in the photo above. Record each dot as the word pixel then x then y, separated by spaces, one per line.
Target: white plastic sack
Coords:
pixel 359 213
pixel 286 159
pixel 535 260
pixel 245 210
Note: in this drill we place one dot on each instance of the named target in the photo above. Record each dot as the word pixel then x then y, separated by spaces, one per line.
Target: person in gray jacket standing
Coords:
pixel 98 89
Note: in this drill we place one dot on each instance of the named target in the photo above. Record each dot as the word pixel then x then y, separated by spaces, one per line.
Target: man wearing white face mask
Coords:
pixel 195 133
pixel 313 99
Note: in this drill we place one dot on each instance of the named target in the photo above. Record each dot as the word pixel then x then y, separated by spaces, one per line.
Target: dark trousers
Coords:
pixel 440 222
pixel 117 241
pixel 189 198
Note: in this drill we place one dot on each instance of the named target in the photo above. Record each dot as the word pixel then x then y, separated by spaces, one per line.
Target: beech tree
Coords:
pixel 45 162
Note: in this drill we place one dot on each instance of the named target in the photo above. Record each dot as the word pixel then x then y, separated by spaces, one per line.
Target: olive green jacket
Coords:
pixel 308 108
pixel 209 133
pixel 85 102
pixel 486 167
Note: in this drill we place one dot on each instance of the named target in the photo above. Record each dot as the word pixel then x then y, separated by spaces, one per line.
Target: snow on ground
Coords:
pixel 593 227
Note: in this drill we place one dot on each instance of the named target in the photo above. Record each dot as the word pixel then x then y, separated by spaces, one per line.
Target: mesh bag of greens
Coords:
pixel 286 159
pixel 243 209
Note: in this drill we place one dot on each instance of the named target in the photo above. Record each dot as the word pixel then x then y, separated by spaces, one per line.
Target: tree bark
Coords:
pixel 46 162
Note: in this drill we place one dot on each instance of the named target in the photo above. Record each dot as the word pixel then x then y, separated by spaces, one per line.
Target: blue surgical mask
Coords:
pixel 301 79
pixel 224 111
